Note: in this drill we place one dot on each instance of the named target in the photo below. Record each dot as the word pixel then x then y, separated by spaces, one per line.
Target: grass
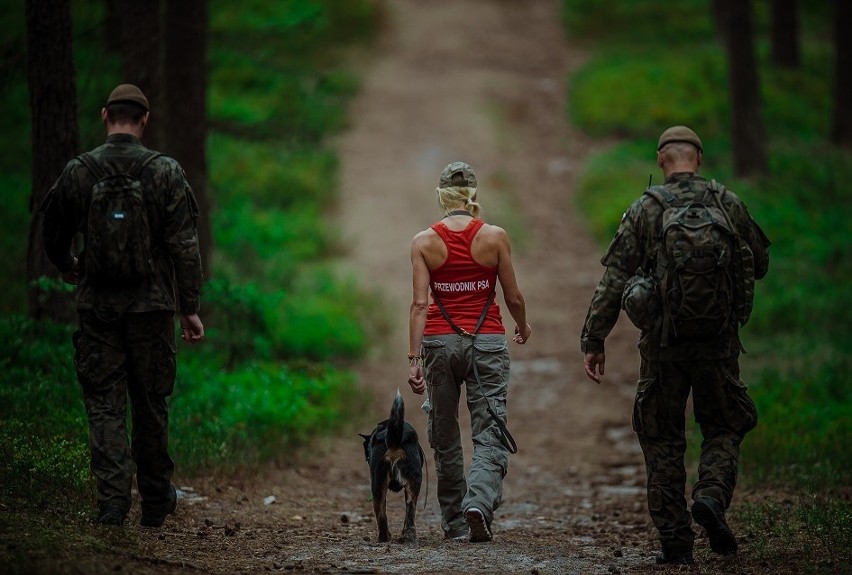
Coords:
pixel 643 77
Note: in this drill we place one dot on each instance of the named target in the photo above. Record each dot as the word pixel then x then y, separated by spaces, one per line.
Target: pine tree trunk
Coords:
pixel 748 135
pixel 140 49
pixel 841 121
pixel 185 90
pixel 55 139
pixel 785 33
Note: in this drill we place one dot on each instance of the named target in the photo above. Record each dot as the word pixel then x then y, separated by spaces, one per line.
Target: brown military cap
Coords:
pixel 128 93
pixel 679 134
pixel 457 174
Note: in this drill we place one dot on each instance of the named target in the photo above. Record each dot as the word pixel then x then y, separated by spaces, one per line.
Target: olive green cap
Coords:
pixel 128 93
pixel 679 134
pixel 457 174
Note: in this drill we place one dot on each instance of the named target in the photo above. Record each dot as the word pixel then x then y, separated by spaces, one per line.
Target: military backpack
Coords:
pixel 118 237
pixel 703 276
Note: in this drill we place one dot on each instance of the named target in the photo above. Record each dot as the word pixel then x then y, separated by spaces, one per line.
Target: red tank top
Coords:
pixel 462 285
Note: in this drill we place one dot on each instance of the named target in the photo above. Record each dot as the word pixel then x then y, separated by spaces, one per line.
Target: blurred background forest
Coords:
pixel 248 97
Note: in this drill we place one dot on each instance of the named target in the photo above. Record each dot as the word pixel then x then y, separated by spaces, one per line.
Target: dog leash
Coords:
pixel 505 436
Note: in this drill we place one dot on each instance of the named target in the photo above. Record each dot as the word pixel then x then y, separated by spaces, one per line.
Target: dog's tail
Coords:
pixel 396 425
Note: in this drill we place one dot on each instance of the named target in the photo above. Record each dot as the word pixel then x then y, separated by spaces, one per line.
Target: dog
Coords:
pixel 396 462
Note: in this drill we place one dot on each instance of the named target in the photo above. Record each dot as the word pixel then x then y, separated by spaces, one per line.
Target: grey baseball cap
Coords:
pixel 457 174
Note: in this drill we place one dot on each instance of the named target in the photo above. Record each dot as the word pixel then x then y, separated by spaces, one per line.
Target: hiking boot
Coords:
pixel 708 513
pixel 668 558
pixel 479 530
pixel 156 516
pixel 111 516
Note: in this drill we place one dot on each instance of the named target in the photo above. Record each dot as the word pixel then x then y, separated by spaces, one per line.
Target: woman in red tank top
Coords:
pixel 459 339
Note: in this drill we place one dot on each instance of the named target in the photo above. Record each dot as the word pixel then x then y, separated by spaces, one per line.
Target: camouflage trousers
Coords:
pixel 724 412
pixel 131 355
pixel 447 365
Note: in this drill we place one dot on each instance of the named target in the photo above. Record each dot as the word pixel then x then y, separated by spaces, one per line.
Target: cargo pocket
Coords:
pixel 645 407
pixel 492 357
pixel 742 412
pixel 94 363
pixel 435 368
pixel 164 367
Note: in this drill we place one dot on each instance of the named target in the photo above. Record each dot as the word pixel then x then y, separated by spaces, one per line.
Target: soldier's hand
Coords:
pixel 594 364
pixel 72 276
pixel 193 329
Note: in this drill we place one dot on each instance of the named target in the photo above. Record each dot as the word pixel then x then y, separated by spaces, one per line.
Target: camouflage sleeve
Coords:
pixel 759 244
pixel 181 239
pixel 751 232
pixel 624 256
pixel 60 219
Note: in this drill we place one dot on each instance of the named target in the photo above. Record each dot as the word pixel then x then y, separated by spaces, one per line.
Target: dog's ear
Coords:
pixel 366 437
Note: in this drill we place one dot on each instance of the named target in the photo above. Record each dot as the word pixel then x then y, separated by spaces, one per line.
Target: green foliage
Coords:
pixel 812 532
pixel 259 411
pixel 648 22
pixel 42 422
pixel 634 93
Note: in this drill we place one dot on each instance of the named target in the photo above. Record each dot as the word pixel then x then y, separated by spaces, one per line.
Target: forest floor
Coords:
pixel 483 81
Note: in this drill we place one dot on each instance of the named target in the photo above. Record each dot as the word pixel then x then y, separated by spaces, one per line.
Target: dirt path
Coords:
pixel 482 81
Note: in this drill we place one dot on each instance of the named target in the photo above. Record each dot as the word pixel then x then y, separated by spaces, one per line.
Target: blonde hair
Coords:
pixel 458 198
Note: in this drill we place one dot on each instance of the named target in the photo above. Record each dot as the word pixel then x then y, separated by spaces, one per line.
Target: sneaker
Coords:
pixel 479 531
pixel 708 513
pixel 665 558
pixel 111 516
pixel 155 517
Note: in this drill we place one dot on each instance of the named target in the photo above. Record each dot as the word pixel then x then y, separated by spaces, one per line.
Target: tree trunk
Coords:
pixel 719 18
pixel 785 33
pixel 841 121
pixel 748 135
pixel 55 139
pixel 140 50
pixel 185 91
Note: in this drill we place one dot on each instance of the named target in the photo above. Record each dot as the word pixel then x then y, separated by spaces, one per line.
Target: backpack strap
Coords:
pixel 666 199
pixel 663 196
pixel 135 170
pixel 141 162
pixel 92 165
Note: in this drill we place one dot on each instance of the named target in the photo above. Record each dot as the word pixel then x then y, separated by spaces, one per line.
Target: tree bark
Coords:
pixel 841 121
pixel 140 50
pixel 185 91
pixel 785 33
pixel 55 139
pixel 748 135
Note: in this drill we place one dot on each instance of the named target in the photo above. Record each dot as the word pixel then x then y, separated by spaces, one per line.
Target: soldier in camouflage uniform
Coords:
pixel 708 367
pixel 125 345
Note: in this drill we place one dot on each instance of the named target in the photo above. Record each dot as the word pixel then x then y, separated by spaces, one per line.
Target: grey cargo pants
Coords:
pixel 447 365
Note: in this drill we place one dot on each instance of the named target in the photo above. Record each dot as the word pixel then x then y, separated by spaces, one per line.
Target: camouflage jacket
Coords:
pixel 172 215
pixel 634 247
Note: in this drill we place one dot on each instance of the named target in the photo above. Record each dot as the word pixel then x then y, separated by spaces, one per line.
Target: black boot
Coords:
pixel 708 513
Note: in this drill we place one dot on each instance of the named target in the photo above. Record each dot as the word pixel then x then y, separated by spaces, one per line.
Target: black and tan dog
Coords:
pixel 396 462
